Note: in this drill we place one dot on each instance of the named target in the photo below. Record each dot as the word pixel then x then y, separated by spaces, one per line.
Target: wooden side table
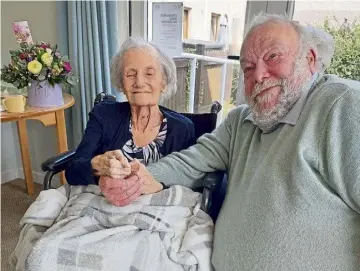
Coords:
pixel 48 116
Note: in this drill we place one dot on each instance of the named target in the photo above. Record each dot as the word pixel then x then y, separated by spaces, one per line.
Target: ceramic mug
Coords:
pixel 14 103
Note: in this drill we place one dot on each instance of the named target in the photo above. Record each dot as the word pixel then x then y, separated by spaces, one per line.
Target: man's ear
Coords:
pixel 311 59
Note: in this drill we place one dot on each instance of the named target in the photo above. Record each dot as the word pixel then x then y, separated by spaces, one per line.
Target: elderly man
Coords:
pixel 292 156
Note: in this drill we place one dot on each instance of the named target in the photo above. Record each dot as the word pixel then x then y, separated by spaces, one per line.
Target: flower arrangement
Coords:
pixel 37 62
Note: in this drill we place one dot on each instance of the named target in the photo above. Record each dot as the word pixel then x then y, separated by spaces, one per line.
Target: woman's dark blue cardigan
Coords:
pixel 108 129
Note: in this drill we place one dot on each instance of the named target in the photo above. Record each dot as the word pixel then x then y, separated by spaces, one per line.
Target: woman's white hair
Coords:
pixel 310 37
pixel 168 66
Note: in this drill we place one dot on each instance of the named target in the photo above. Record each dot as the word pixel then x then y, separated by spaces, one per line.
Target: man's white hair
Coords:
pixel 168 67
pixel 310 37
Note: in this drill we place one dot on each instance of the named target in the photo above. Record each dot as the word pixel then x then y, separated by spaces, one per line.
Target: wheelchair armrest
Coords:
pixel 212 181
pixel 58 163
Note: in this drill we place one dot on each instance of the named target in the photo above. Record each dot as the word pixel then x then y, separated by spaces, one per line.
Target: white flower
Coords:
pixel 49 51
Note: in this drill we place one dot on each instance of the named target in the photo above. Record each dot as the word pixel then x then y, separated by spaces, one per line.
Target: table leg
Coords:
pixel 61 136
pixel 25 155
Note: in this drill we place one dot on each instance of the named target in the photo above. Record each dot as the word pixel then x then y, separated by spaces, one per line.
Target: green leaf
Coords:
pixel 72 80
pixel 345 62
pixel 41 77
pixel 65 58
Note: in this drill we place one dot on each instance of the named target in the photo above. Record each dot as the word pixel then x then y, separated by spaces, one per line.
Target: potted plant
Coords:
pixel 43 70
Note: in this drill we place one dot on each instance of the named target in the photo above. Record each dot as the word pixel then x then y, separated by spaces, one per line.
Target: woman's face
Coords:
pixel 143 78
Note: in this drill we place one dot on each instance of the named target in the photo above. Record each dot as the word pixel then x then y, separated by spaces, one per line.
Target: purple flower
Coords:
pixel 67 67
pixel 29 59
pixel 57 54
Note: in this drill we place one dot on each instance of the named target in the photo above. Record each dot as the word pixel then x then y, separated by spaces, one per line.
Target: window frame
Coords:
pixel 186 21
pixel 214 32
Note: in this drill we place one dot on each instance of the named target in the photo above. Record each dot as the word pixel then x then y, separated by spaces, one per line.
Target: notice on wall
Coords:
pixel 167 27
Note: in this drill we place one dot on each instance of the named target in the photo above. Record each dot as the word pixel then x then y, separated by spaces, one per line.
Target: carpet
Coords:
pixel 14 203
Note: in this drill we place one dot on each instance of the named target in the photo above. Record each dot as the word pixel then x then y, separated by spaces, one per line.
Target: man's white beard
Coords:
pixel 268 119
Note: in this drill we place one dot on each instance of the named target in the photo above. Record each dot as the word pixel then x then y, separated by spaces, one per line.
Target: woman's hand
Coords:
pixel 112 164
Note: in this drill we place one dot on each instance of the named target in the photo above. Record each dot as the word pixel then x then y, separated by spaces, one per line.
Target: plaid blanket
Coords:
pixel 76 228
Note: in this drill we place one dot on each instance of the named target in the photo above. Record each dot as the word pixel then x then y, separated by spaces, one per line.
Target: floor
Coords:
pixel 14 203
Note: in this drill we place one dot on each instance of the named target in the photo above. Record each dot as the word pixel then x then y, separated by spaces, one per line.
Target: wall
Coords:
pixel 314 12
pixel 41 17
pixel 200 16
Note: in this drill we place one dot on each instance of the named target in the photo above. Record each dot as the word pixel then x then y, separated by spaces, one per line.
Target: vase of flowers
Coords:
pixel 43 70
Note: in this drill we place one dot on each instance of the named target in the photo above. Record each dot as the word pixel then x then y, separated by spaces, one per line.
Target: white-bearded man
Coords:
pixel 292 156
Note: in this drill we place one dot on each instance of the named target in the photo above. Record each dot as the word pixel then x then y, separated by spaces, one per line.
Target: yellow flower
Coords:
pixel 34 67
pixel 47 59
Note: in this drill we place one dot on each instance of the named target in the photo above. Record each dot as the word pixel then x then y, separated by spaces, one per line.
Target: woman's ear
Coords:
pixel 311 59
pixel 163 89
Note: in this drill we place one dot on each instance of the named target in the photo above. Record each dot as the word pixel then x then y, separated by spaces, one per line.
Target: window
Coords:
pixel 186 22
pixel 201 18
pixel 214 26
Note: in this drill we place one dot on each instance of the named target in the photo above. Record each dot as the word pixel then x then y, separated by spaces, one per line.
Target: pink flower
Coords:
pixel 16 28
pixel 22 56
pixel 67 67
pixel 44 45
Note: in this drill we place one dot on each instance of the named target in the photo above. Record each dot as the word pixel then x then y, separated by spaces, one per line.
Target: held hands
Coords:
pixel 121 190
pixel 112 164
pixel 149 184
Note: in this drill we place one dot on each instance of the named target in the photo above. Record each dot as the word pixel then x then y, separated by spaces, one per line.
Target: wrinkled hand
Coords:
pixel 120 192
pixel 112 164
pixel 149 184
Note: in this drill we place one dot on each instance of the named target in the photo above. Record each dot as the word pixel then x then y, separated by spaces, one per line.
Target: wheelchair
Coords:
pixel 212 188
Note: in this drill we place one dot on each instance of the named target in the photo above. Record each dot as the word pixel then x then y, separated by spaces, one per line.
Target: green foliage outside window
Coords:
pixel 346 59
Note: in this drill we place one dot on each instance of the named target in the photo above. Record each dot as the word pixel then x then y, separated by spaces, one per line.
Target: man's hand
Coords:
pixel 120 192
pixel 149 184
pixel 112 163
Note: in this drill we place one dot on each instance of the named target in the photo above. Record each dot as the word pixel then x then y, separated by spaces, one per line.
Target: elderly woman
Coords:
pixel 140 129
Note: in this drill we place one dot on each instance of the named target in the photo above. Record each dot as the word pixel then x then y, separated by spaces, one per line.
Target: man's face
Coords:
pixel 275 72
